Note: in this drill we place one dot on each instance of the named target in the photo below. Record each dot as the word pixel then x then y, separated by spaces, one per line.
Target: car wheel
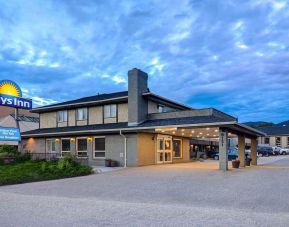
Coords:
pixel 216 157
pixel 283 153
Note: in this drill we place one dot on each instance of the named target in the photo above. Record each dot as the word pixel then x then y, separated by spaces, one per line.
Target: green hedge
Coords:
pixel 30 171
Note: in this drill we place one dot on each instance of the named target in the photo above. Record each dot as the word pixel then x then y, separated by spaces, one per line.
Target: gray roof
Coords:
pixel 106 99
pixel 275 130
pixel 88 129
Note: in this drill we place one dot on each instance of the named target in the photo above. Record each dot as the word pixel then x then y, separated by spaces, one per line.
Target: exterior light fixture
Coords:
pixel 72 139
pixel 201 133
pixel 174 132
pixel 216 130
pixel 183 130
pixel 56 140
pixel 208 134
pixel 193 131
pixel 89 139
pixel 207 128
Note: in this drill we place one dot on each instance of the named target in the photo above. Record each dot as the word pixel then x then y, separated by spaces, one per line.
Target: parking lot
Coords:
pixel 163 195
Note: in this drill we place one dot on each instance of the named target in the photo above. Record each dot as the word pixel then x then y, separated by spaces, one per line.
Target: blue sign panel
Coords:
pixel 17 102
pixel 9 134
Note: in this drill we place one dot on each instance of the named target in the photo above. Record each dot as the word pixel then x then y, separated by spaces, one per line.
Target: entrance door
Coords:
pixel 164 149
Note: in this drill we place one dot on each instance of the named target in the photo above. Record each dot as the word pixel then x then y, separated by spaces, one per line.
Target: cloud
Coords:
pixel 230 55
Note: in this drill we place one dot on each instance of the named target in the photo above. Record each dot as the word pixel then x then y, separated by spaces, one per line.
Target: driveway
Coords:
pixel 168 195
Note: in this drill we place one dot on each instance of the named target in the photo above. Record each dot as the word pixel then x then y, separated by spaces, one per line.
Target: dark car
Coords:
pixel 232 155
pixel 265 151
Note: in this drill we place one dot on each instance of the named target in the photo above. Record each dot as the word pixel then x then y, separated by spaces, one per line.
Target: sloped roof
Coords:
pixel 275 130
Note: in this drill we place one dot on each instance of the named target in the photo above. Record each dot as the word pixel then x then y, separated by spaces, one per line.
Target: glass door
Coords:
pixel 164 149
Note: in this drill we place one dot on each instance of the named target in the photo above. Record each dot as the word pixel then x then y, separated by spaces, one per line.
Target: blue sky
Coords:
pixel 228 54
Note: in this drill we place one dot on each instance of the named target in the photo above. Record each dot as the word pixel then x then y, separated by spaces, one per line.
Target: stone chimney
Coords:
pixel 137 105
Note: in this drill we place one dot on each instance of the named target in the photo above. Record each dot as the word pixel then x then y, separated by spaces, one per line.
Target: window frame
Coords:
pixel 51 140
pixel 181 148
pixel 67 152
pixel 267 138
pixel 77 114
pixel 65 119
pixel 77 151
pixel 110 111
pixel 279 142
pixel 100 151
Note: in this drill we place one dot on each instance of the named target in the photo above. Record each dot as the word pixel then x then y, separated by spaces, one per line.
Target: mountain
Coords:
pixel 258 124
pixel 286 123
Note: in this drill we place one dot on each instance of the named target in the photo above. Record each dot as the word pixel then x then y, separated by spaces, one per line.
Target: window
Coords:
pixel 81 114
pixel 81 147
pixel 65 147
pixel 62 116
pixel 110 111
pixel 287 141
pixel 278 141
pixel 177 148
pixel 50 145
pixel 267 140
pixel 99 147
pixel 164 109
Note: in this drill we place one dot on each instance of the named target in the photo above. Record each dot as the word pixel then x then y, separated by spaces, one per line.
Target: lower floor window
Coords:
pixel 177 146
pixel 99 147
pixel 278 141
pixel 65 147
pixel 267 140
pixel 81 147
pixel 50 145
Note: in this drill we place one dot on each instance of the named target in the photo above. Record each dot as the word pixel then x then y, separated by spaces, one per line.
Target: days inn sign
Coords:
pixel 11 95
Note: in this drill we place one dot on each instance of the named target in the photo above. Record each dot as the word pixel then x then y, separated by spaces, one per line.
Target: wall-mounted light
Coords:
pixel 56 140
pixel 207 128
pixel 72 139
pixel 89 139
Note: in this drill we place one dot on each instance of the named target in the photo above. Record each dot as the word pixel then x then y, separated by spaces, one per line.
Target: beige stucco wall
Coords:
pixel 79 123
pixel 71 117
pixel 146 149
pixel 152 107
pixel 95 115
pixel 33 145
pixel 284 141
pixel 185 151
pixel 48 120
pixel 62 124
pixel 123 112
pixel 109 120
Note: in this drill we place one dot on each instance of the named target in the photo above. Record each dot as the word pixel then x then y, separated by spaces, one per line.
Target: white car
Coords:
pixel 284 151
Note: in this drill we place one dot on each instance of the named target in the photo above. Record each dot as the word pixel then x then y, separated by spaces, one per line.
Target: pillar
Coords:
pixel 254 151
pixel 241 150
pixel 223 149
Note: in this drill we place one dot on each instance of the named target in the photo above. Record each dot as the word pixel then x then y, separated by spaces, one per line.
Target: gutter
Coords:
pixel 125 148
pixel 136 128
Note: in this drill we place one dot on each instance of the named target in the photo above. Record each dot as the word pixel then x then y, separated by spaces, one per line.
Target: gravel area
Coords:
pixel 169 195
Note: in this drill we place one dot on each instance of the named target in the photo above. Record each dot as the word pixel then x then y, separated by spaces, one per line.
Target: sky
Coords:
pixel 232 55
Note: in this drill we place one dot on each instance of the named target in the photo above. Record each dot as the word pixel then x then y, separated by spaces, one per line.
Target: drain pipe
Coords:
pixel 125 148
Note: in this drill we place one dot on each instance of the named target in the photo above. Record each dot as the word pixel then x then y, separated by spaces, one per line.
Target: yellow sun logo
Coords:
pixel 8 87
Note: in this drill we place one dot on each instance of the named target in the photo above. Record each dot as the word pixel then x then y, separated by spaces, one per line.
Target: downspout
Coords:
pixel 125 148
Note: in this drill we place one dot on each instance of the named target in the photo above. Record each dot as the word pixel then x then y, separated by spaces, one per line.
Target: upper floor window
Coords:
pixel 110 111
pixel 62 116
pixel 81 114
pixel 164 109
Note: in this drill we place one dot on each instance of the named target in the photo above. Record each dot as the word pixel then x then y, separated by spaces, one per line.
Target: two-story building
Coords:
pixel 277 135
pixel 134 127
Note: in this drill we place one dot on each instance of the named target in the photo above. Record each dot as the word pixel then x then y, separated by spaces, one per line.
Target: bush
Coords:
pixel 30 171
pixel 8 149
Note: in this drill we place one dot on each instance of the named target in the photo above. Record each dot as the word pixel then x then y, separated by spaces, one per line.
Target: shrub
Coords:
pixel 8 149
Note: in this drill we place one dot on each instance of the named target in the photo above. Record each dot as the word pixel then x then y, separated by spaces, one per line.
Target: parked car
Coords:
pixel 232 155
pixel 276 150
pixel 264 151
pixel 284 151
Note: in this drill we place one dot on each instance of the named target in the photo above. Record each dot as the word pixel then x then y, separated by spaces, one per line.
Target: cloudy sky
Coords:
pixel 228 54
